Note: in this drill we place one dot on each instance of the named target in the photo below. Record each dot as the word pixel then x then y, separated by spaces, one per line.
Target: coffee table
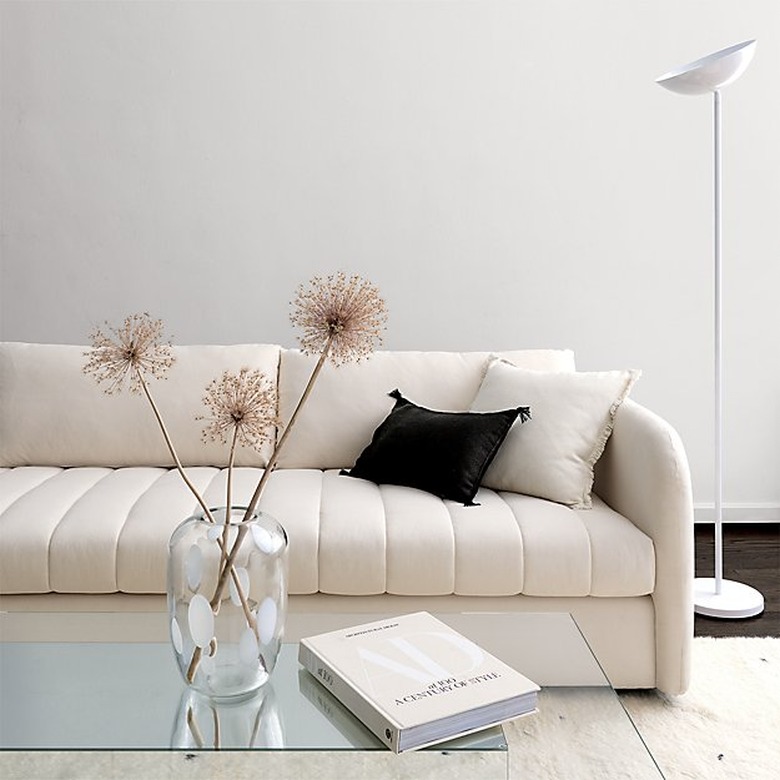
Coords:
pixel 98 695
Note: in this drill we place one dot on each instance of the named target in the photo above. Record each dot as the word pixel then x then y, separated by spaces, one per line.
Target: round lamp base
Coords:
pixel 735 600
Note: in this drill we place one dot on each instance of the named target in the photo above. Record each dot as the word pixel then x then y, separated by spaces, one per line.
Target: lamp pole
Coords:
pixel 716 597
pixel 718 242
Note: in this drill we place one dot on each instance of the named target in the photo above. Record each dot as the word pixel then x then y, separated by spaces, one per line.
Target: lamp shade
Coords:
pixel 710 73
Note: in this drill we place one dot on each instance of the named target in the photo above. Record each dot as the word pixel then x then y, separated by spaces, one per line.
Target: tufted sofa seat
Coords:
pixel 82 515
pixel 100 530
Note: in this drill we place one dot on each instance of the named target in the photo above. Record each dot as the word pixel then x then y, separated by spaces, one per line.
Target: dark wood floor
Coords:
pixel 751 554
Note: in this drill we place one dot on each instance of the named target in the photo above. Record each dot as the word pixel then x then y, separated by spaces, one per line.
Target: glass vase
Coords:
pixel 227 600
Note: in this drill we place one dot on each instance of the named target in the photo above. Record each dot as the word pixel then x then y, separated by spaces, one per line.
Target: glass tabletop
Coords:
pixel 130 696
pixel 108 681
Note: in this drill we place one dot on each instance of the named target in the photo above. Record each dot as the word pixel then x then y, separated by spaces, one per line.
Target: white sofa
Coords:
pixel 88 501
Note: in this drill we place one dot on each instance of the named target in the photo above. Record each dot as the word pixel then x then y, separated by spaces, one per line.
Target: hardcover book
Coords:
pixel 414 681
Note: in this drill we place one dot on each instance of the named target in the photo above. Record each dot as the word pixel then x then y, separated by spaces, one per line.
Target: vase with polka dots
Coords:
pixel 227 600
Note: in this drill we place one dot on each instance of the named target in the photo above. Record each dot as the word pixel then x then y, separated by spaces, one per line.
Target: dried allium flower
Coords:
pixel 347 310
pixel 244 404
pixel 129 353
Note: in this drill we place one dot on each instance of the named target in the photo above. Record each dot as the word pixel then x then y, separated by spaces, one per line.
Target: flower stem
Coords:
pixel 277 450
pixel 229 497
pixel 171 448
pixel 193 726
pixel 227 564
pixel 208 514
pixel 194 661
pixel 217 737
pixel 268 469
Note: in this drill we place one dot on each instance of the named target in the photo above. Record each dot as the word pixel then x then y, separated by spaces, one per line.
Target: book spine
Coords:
pixel 357 704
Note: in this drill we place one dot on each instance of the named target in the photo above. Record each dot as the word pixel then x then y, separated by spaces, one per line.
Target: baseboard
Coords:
pixel 738 513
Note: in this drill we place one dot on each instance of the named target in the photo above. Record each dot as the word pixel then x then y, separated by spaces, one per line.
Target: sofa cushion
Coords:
pixel 349 401
pixel 51 414
pixel 553 456
pixel 99 530
pixel 444 453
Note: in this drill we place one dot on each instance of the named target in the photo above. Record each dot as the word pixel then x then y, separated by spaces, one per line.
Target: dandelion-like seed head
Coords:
pixel 345 312
pixel 243 404
pixel 128 354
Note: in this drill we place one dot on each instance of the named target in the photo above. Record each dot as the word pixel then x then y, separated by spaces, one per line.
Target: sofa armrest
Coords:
pixel 644 475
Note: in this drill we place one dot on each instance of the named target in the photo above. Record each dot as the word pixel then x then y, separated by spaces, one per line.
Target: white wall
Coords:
pixel 507 172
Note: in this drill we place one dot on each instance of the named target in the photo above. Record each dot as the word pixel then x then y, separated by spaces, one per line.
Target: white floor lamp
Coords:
pixel 717 597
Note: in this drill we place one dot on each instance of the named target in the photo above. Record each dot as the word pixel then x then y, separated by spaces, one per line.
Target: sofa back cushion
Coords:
pixel 51 414
pixel 349 401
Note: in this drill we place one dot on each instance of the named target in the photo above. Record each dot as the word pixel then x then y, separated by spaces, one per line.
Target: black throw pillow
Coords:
pixel 444 453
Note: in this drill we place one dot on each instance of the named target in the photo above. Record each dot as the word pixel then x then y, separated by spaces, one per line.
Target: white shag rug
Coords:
pixel 727 725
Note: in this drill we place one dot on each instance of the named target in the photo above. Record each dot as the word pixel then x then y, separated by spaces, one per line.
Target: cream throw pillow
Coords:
pixel 553 454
